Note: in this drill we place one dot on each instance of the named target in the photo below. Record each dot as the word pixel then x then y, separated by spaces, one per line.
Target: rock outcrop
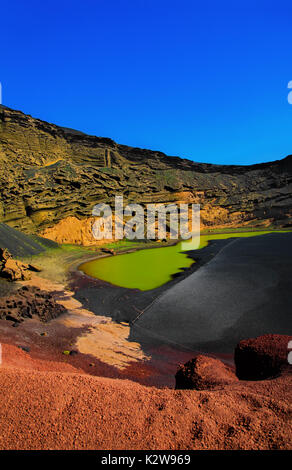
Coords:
pixel 261 358
pixel 48 173
pixel 14 270
pixel 255 359
pixel 204 373
pixel 28 302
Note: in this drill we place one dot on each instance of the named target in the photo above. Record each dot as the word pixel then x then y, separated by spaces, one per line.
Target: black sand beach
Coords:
pixel 244 291
pixel 125 305
pixel 238 288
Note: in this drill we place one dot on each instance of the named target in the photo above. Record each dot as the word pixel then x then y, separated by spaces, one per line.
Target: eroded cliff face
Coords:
pixel 49 173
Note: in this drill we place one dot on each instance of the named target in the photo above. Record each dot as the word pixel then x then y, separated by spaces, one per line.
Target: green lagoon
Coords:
pixel 150 268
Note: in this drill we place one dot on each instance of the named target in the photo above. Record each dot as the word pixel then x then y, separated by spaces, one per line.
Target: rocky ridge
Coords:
pixel 49 173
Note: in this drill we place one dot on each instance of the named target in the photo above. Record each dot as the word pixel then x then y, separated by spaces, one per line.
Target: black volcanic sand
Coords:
pixel 20 244
pixel 123 304
pixel 238 288
pixel 243 292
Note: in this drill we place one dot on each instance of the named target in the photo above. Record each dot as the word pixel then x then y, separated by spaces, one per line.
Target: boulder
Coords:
pixel 34 268
pixel 108 251
pixel 14 270
pixel 204 373
pixel 262 357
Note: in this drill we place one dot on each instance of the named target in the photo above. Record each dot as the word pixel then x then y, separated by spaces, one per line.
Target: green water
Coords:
pixel 150 268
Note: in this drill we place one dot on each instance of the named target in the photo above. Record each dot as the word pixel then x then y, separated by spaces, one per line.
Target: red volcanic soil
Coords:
pixel 46 405
pixel 46 353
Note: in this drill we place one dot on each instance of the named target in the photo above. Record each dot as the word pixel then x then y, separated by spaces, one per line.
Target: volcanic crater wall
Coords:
pixel 49 173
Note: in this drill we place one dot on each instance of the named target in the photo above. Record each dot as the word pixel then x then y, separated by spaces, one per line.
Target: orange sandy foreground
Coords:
pixel 45 409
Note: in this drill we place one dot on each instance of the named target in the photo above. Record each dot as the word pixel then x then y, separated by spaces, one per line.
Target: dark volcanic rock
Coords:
pixel 28 302
pixel 108 251
pixel 203 373
pixel 261 358
pixel 48 173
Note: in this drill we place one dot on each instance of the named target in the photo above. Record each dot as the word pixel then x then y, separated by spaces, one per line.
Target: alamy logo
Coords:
pixel 290 93
pixel 290 353
pixel 160 221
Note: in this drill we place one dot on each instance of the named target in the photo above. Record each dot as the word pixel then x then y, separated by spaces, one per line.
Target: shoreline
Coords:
pixel 189 253
pixel 116 309
pixel 150 367
pixel 109 292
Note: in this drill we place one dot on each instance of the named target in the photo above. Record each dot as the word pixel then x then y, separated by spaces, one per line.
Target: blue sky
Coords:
pixel 202 80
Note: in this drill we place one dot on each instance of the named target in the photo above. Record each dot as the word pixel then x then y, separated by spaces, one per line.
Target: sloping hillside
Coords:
pixel 48 173
pixel 20 244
